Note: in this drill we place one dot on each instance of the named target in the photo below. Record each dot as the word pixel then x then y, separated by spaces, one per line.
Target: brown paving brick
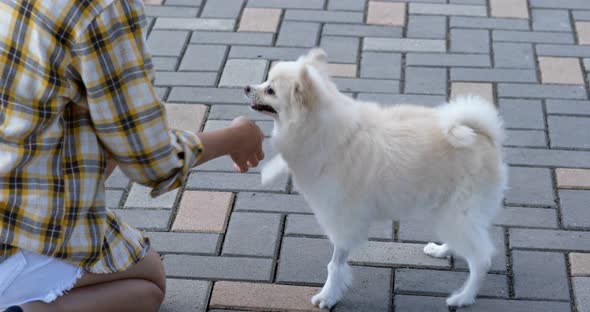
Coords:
pixel 383 13
pixel 580 264
pixel 509 8
pixel 560 70
pixel 573 178
pixel 186 116
pixel 583 30
pixel 236 295
pixel 464 88
pixel 203 212
pixel 335 70
pixel 262 20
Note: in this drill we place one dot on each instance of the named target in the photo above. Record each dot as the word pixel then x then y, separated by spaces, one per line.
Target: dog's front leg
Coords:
pixel 339 279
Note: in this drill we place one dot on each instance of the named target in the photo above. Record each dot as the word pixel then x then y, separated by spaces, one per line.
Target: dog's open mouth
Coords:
pixel 263 108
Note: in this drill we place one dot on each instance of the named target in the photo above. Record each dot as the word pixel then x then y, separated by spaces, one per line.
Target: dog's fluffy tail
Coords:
pixel 468 116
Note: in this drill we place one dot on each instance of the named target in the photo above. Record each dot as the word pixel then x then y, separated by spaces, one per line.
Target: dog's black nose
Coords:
pixel 247 90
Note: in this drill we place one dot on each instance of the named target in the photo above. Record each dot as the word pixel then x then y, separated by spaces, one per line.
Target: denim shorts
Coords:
pixel 27 277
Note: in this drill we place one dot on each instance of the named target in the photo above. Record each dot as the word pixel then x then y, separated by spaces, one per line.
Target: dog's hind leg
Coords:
pixel 338 281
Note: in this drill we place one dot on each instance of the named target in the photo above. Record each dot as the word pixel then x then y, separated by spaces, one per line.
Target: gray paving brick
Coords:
pixel 347 5
pixel 324 16
pixel 586 63
pixel 494 305
pixel 561 129
pixel 550 239
pixel 493 75
pixel 186 295
pixel 232 181
pixel 281 203
pixel 207 267
pixel 184 2
pixel 370 291
pixel 340 49
pixel 390 254
pixel 525 138
pixel 249 38
pixel 307 225
pixel 113 198
pixel 381 65
pixel 551 20
pixel 304 260
pixel 530 90
pixel 498 259
pixel 444 282
pixel 167 43
pixel 161 93
pixel 203 57
pixel 222 8
pixel 185 79
pixel 562 50
pixel 252 234
pixel 416 230
pixel 530 186
pixel 195 23
pixel 408 303
pixel 139 197
pixel 488 23
pixel 239 73
pixel 298 34
pixel 167 242
pixel 229 112
pixel 426 80
pixel 532 36
pixel 270 53
pixel 361 30
pixel 403 44
pixel 470 41
pixel 366 85
pixel 581 286
pixel 448 59
pixel 164 63
pixel 564 4
pixel 574 208
pixel 170 11
pixel 568 107
pixel 544 157
pixel 207 95
pixel 117 179
pixel 297 4
pixel 581 15
pixel 416 99
pixel 430 27
pixel 552 284
pixel 447 9
pixel 513 55
pixel 483 2
pixel 145 218
pixel 265 126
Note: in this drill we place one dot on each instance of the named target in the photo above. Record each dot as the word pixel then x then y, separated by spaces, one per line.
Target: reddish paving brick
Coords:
pixel 383 13
pixel 335 70
pixel 203 212
pixel 573 178
pixel 465 88
pixel 186 116
pixel 583 30
pixel 260 20
pixel 236 295
pixel 509 8
pixel 561 70
pixel 580 264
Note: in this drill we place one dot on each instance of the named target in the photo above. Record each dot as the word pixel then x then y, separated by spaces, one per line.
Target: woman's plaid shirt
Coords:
pixel 75 81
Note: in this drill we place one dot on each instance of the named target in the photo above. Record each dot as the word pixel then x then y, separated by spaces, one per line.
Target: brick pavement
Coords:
pixel 248 247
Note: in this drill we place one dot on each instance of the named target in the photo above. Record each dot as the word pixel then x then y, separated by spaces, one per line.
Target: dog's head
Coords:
pixel 291 87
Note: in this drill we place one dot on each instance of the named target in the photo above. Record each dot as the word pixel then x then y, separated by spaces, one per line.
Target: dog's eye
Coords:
pixel 270 91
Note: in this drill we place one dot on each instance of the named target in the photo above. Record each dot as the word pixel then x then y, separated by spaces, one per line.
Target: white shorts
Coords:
pixel 27 277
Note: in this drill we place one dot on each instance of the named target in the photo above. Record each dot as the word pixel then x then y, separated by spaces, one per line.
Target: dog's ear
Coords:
pixel 304 91
pixel 315 56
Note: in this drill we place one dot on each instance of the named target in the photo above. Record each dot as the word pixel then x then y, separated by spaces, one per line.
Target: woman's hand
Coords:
pixel 248 152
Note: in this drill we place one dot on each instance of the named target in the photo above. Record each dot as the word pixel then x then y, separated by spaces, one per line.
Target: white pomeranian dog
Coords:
pixel 357 162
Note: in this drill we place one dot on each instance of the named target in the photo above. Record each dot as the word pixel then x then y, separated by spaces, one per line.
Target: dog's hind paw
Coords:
pixel 323 301
pixel 460 300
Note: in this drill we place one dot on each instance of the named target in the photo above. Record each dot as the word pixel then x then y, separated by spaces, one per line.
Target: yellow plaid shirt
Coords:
pixel 75 81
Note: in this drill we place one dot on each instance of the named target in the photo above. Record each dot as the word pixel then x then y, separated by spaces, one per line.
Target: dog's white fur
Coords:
pixel 355 162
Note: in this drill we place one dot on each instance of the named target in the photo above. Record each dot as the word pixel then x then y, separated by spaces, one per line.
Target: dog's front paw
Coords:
pixel 460 300
pixel 324 300
pixel 436 251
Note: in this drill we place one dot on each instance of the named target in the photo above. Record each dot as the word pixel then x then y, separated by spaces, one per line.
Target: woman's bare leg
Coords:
pixel 140 288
